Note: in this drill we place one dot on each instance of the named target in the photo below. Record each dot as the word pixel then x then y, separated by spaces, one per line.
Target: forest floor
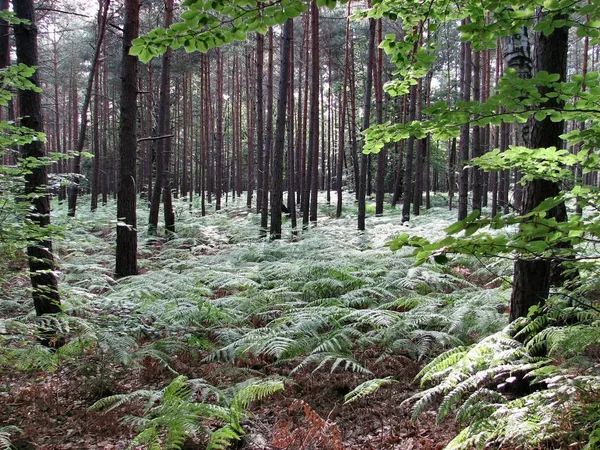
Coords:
pixel 52 410
pixel 49 402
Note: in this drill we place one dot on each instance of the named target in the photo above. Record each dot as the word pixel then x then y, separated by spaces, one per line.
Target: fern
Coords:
pixel 5 434
pixel 366 388
pixel 170 415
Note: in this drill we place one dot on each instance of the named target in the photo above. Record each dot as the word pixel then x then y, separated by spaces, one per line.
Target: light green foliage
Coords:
pixel 366 388
pixel 529 236
pixel 15 230
pixel 479 383
pixel 5 434
pixel 207 24
pixel 171 414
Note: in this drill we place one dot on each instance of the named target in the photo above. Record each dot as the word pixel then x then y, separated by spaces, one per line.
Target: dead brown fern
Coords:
pixel 309 432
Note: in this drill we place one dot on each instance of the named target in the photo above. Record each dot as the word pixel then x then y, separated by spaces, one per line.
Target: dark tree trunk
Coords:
pixel 408 169
pixel 126 256
pixel 476 149
pixel 46 297
pixel 418 187
pixel 343 107
pixel 278 149
pixel 219 133
pixel 364 158
pixel 291 156
pixel 163 146
pixel 251 113
pixel 451 173
pixel 74 189
pixel 313 131
pixel 463 149
pixel 531 283
pixel 260 137
pixel 382 156
pixel 266 155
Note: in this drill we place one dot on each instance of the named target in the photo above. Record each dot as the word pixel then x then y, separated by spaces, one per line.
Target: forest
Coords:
pixel 298 225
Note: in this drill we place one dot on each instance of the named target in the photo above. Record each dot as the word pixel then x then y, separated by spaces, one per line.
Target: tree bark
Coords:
pixel 343 107
pixel 313 129
pixel 126 255
pixel 531 283
pixel 382 156
pixel 74 189
pixel 46 297
pixel 278 149
pixel 364 158
pixel 463 149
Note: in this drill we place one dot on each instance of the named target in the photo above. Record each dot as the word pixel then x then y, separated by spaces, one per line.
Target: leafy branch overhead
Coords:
pixel 211 24
pixel 516 100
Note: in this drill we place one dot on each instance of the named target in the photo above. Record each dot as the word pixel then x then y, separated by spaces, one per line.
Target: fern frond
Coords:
pixel 367 388
pixel 441 363
pixel 5 434
pixel 223 438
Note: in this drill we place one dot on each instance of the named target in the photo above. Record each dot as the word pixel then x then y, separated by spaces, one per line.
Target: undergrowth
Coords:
pixel 326 299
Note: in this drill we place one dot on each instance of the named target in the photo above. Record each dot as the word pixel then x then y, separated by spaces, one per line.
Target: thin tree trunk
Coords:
pixel 313 131
pixel 260 143
pixel 102 15
pixel 382 156
pixel 476 149
pixel 278 149
pixel 219 132
pixel 291 169
pixel 250 114
pixel 463 152
pixel 343 107
pixel 366 122
pixel 412 114
pixel 163 148
pixel 264 213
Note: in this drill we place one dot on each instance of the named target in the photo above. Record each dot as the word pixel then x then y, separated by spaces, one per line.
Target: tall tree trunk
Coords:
pixel 313 129
pixel 250 114
pixel 364 159
pixel 382 156
pixel 278 149
pixel 264 213
pixel 46 297
pixel 463 152
pixel 96 146
pixel 163 145
pixel 532 277
pixel 260 127
pixel 291 170
pixel 343 107
pixel 476 149
pixel 219 132
pixel 418 187
pixel 126 255
pixel 102 15
pixel 412 115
